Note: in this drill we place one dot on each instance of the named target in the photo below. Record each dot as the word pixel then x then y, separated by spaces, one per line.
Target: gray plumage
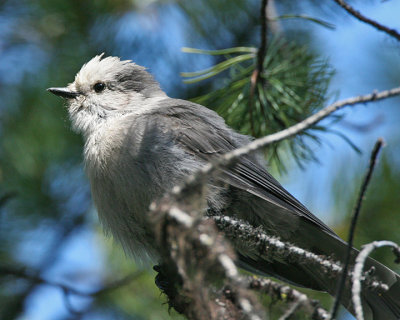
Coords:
pixel 139 143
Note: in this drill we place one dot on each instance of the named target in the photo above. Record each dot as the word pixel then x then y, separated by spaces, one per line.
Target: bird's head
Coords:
pixel 105 87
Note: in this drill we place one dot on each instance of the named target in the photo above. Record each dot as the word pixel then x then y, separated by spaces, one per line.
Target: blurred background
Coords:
pixel 48 226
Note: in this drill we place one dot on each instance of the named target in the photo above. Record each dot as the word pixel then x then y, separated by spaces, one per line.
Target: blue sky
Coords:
pixel 356 51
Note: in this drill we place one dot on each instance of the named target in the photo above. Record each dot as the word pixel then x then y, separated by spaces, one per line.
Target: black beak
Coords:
pixel 63 93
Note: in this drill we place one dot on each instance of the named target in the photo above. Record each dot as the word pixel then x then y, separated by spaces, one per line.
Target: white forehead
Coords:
pixel 99 69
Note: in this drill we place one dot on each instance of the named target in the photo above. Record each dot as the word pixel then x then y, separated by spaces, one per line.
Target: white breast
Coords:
pixel 117 188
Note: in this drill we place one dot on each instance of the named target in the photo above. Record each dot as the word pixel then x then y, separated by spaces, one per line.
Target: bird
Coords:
pixel 140 143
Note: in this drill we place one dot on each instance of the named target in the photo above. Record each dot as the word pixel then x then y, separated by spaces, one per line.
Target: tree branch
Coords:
pixel 355 215
pixel 278 291
pixel 358 271
pixel 65 229
pixel 197 260
pixel 273 248
pixel 7 197
pixel 391 32
pixel 263 45
pixel 255 77
pixel 67 290
pixel 230 157
pixel 195 255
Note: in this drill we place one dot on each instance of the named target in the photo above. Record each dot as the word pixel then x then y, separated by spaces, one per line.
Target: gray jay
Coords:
pixel 139 143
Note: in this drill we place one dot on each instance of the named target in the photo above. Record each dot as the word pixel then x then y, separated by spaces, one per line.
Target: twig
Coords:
pixel 3 201
pixel 277 290
pixel 359 16
pixel 65 229
pixel 358 269
pixel 6 197
pixel 292 309
pixel 263 46
pixel 255 77
pixel 355 215
pixel 33 277
pixel 117 283
pixel 230 157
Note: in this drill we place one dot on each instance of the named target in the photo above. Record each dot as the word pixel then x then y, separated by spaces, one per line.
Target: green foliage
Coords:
pixel 292 85
pixel 220 67
pixel 305 17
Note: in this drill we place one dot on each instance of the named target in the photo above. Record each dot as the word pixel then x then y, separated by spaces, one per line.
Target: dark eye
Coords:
pixel 99 86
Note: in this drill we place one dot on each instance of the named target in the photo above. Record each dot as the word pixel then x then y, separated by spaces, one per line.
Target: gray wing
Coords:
pixel 185 124
pixel 254 195
pixel 187 120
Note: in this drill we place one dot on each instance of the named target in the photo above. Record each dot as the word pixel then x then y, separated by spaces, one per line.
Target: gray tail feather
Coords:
pixel 377 303
pixel 383 305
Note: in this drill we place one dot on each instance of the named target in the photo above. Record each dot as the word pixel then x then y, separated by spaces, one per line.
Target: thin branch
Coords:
pixel 230 157
pixel 354 219
pixel 263 46
pixel 292 309
pixel 100 292
pixel 33 277
pixel 6 197
pixel 277 290
pixel 117 283
pixel 67 291
pixel 392 32
pixel 358 271
pixel 65 229
pixel 255 77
